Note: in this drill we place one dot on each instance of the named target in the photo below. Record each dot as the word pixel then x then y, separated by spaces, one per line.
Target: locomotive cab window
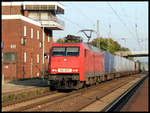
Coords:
pixel 72 51
pixel 65 51
pixel 58 51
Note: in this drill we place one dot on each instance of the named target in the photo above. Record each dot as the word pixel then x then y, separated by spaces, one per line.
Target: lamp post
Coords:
pixel 43 55
pixel 108 49
pixel 98 36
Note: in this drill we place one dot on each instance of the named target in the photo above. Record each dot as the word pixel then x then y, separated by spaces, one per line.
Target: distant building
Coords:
pixel 22 37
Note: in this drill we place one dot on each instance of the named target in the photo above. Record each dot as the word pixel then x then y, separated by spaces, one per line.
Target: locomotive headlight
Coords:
pixel 75 70
pixel 54 70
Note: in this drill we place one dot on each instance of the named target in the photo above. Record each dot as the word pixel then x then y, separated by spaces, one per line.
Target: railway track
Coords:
pixel 26 99
pixel 27 103
pixel 117 104
pixel 120 97
pixel 18 96
pixel 73 101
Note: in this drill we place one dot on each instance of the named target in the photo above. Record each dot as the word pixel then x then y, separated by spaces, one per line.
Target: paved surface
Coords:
pixel 100 104
pixel 139 101
pixel 9 86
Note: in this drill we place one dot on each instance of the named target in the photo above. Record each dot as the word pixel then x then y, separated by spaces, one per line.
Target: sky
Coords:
pixel 128 20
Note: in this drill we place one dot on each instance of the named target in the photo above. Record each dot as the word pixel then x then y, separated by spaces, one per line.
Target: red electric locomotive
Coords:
pixel 73 65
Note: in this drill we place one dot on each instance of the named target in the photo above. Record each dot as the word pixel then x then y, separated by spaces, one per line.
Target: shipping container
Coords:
pixel 108 62
pixel 122 64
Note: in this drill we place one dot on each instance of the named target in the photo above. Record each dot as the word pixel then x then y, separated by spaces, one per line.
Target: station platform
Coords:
pixel 16 85
pixel 139 101
pixel 19 89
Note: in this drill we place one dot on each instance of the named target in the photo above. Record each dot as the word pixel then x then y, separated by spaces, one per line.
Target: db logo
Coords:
pixel 65 59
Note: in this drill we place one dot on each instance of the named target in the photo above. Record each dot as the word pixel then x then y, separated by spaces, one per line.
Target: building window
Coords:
pixel 38 58
pixel 44 15
pixel 23 41
pixel 25 57
pixel 9 57
pixel 34 15
pixel 38 34
pixel 31 33
pixel 48 38
pixel 13 46
pixel 40 44
pixel 2 56
pixel 38 74
pixel 25 31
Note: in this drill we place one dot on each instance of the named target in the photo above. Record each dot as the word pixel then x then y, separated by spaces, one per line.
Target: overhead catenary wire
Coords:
pixel 78 13
pixel 71 22
pixel 83 14
pixel 90 20
pixel 80 27
pixel 115 12
pixel 137 36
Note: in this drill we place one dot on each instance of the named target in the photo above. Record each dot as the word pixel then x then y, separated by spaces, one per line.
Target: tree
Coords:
pixel 107 44
pixel 60 40
pixel 70 39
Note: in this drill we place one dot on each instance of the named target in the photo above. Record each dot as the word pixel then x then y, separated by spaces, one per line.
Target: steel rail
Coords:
pixel 118 103
pixel 75 93
pixel 27 99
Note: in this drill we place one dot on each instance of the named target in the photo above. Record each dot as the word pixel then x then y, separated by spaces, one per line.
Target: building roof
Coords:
pixel 37 5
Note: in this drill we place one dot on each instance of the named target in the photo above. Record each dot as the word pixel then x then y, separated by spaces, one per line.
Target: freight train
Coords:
pixel 76 65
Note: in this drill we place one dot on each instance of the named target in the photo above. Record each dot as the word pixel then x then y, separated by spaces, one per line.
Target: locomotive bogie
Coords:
pixel 61 81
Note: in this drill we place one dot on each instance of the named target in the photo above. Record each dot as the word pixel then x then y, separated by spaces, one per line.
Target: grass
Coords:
pixel 26 94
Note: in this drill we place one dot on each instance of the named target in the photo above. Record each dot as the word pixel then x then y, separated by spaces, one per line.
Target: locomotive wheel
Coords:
pixel 96 83
pixel 84 85
pixel 80 85
pixel 52 88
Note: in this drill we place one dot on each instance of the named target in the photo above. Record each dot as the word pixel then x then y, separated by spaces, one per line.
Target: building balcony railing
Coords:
pixel 50 22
